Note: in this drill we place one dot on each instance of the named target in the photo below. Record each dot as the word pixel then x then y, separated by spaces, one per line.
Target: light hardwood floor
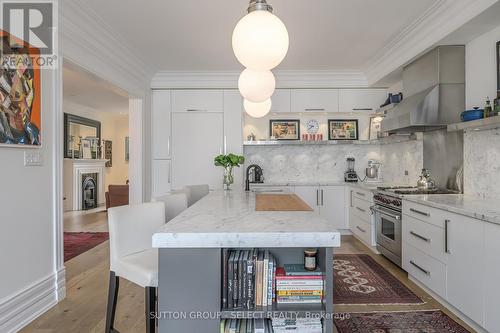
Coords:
pixel 83 309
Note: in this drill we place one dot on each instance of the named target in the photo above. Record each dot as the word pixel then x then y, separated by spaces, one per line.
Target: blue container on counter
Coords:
pixel 474 114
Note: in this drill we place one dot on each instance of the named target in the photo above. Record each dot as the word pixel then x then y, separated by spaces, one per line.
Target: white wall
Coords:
pixel 27 215
pixel 480 69
pixel 482 149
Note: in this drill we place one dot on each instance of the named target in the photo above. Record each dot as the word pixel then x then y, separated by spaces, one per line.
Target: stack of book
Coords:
pixel 246 326
pixel 248 279
pixel 296 285
pixel 299 325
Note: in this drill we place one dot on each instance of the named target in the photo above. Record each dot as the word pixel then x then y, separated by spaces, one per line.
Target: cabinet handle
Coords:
pixel 196 110
pixel 361 194
pixel 421 237
pixel 361 209
pixel 420 268
pixel 315 109
pixel 170 174
pixel 322 197
pixel 360 229
pixel 419 212
pixel 362 109
pixel 317 197
pixel 446 229
pixel 225 145
pixel 168 145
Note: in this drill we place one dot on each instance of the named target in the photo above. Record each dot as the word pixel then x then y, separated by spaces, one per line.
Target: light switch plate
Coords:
pixel 32 158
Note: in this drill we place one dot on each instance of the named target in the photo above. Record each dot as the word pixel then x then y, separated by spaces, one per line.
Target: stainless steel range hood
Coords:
pixel 434 88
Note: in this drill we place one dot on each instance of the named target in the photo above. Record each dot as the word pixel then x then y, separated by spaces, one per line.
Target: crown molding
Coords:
pixel 284 79
pixel 88 41
pixel 440 20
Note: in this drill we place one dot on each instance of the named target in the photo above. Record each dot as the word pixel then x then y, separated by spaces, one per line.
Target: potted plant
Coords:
pixel 228 162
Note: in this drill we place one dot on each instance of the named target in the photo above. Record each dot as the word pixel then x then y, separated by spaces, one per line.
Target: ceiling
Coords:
pixel 195 35
pixel 84 88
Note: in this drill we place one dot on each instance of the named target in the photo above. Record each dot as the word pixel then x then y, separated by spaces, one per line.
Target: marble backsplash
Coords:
pixel 308 163
pixel 402 162
pixel 328 162
pixel 482 163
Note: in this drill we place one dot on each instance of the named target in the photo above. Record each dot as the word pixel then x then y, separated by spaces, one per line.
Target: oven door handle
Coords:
pixel 378 209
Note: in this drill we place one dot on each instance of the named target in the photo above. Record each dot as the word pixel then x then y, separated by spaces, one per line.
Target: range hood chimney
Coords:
pixel 434 88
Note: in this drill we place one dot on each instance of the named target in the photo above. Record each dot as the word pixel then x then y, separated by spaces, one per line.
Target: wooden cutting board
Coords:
pixel 280 203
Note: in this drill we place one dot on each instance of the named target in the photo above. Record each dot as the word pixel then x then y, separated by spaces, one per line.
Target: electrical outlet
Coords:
pixel 32 158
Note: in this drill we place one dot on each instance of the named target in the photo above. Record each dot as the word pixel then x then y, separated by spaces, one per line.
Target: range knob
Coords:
pixel 396 203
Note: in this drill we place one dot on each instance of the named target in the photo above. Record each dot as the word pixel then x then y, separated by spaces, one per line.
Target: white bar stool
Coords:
pixel 132 256
pixel 196 192
pixel 175 203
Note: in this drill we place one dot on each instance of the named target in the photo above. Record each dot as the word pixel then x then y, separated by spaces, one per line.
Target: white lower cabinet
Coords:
pixel 162 177
pixel 361 222
pixel 332 205
pixel 310 194
pixel 452 255
pixel 491 278
pixel 465 265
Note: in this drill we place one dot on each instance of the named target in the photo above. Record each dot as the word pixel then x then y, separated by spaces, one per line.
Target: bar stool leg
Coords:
pixel 114 285
pixel 150 309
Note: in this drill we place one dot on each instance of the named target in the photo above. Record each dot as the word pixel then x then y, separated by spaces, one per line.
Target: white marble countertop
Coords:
pixel 228 219
pixel 486 210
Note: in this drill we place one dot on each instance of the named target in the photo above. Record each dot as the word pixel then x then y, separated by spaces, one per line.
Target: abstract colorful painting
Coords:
pixel 20 103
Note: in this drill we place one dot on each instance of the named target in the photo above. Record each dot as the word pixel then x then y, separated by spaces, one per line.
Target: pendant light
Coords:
pixel 260 39
pixel 257 110
pixel 256 86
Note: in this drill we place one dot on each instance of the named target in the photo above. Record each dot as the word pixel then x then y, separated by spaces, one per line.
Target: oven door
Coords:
pixel 388 223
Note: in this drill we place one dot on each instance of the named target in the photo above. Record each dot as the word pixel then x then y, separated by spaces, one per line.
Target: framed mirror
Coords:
pixel 82 137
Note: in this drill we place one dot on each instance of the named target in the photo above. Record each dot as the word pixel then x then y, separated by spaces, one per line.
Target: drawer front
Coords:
pixel 362 194
pixel 426 213
pixel 361 208
pixel 424 268
pixel 361 229
pixel 426 237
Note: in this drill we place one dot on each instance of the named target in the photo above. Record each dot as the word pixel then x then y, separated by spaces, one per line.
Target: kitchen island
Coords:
pixel 190 259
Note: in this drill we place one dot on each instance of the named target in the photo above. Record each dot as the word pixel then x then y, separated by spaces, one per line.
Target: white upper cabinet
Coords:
pixel 161 124
pixel 361 100
pixel 281 101
pixel 197 101
pixel 315 100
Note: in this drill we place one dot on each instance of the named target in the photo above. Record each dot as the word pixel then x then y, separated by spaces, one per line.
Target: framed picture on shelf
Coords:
pixel 284 129
pixel 343 129
pixel 108 153
pixel 375 123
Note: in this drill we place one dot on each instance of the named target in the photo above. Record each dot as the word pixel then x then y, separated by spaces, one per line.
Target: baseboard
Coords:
pixel 19 310
pixel 450 307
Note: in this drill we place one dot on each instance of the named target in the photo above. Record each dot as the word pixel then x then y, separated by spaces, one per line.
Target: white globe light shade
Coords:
pixel 256 86
pixel 260 40
pixel 257 110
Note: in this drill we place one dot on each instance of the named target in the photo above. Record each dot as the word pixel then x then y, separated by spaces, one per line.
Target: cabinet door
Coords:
pixel 333 205
pixel 310 194
pixel 315 100
pixel 161 124
pixel 161 177
pixel 197 137
pixel 281 101
pixel 465 245
pixel 233 130
pixel 361 100
pixel 492 277
pixel 197 100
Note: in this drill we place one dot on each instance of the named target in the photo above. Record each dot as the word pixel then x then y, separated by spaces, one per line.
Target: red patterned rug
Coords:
pixel 76 243
pixel 358 279
pixel 404 322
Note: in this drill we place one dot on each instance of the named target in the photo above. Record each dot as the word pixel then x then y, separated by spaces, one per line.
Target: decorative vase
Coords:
pixel 228 177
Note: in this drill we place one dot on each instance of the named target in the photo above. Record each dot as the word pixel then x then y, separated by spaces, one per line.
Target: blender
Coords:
pixel 350 176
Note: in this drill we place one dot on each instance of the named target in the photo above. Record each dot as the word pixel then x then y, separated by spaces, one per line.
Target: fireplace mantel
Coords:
pixel 73 171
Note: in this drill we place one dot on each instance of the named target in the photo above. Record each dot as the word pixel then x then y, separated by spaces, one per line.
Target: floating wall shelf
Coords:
pixel 476 125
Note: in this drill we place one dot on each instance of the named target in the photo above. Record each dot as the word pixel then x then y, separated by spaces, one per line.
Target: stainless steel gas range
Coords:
pixel 388 218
